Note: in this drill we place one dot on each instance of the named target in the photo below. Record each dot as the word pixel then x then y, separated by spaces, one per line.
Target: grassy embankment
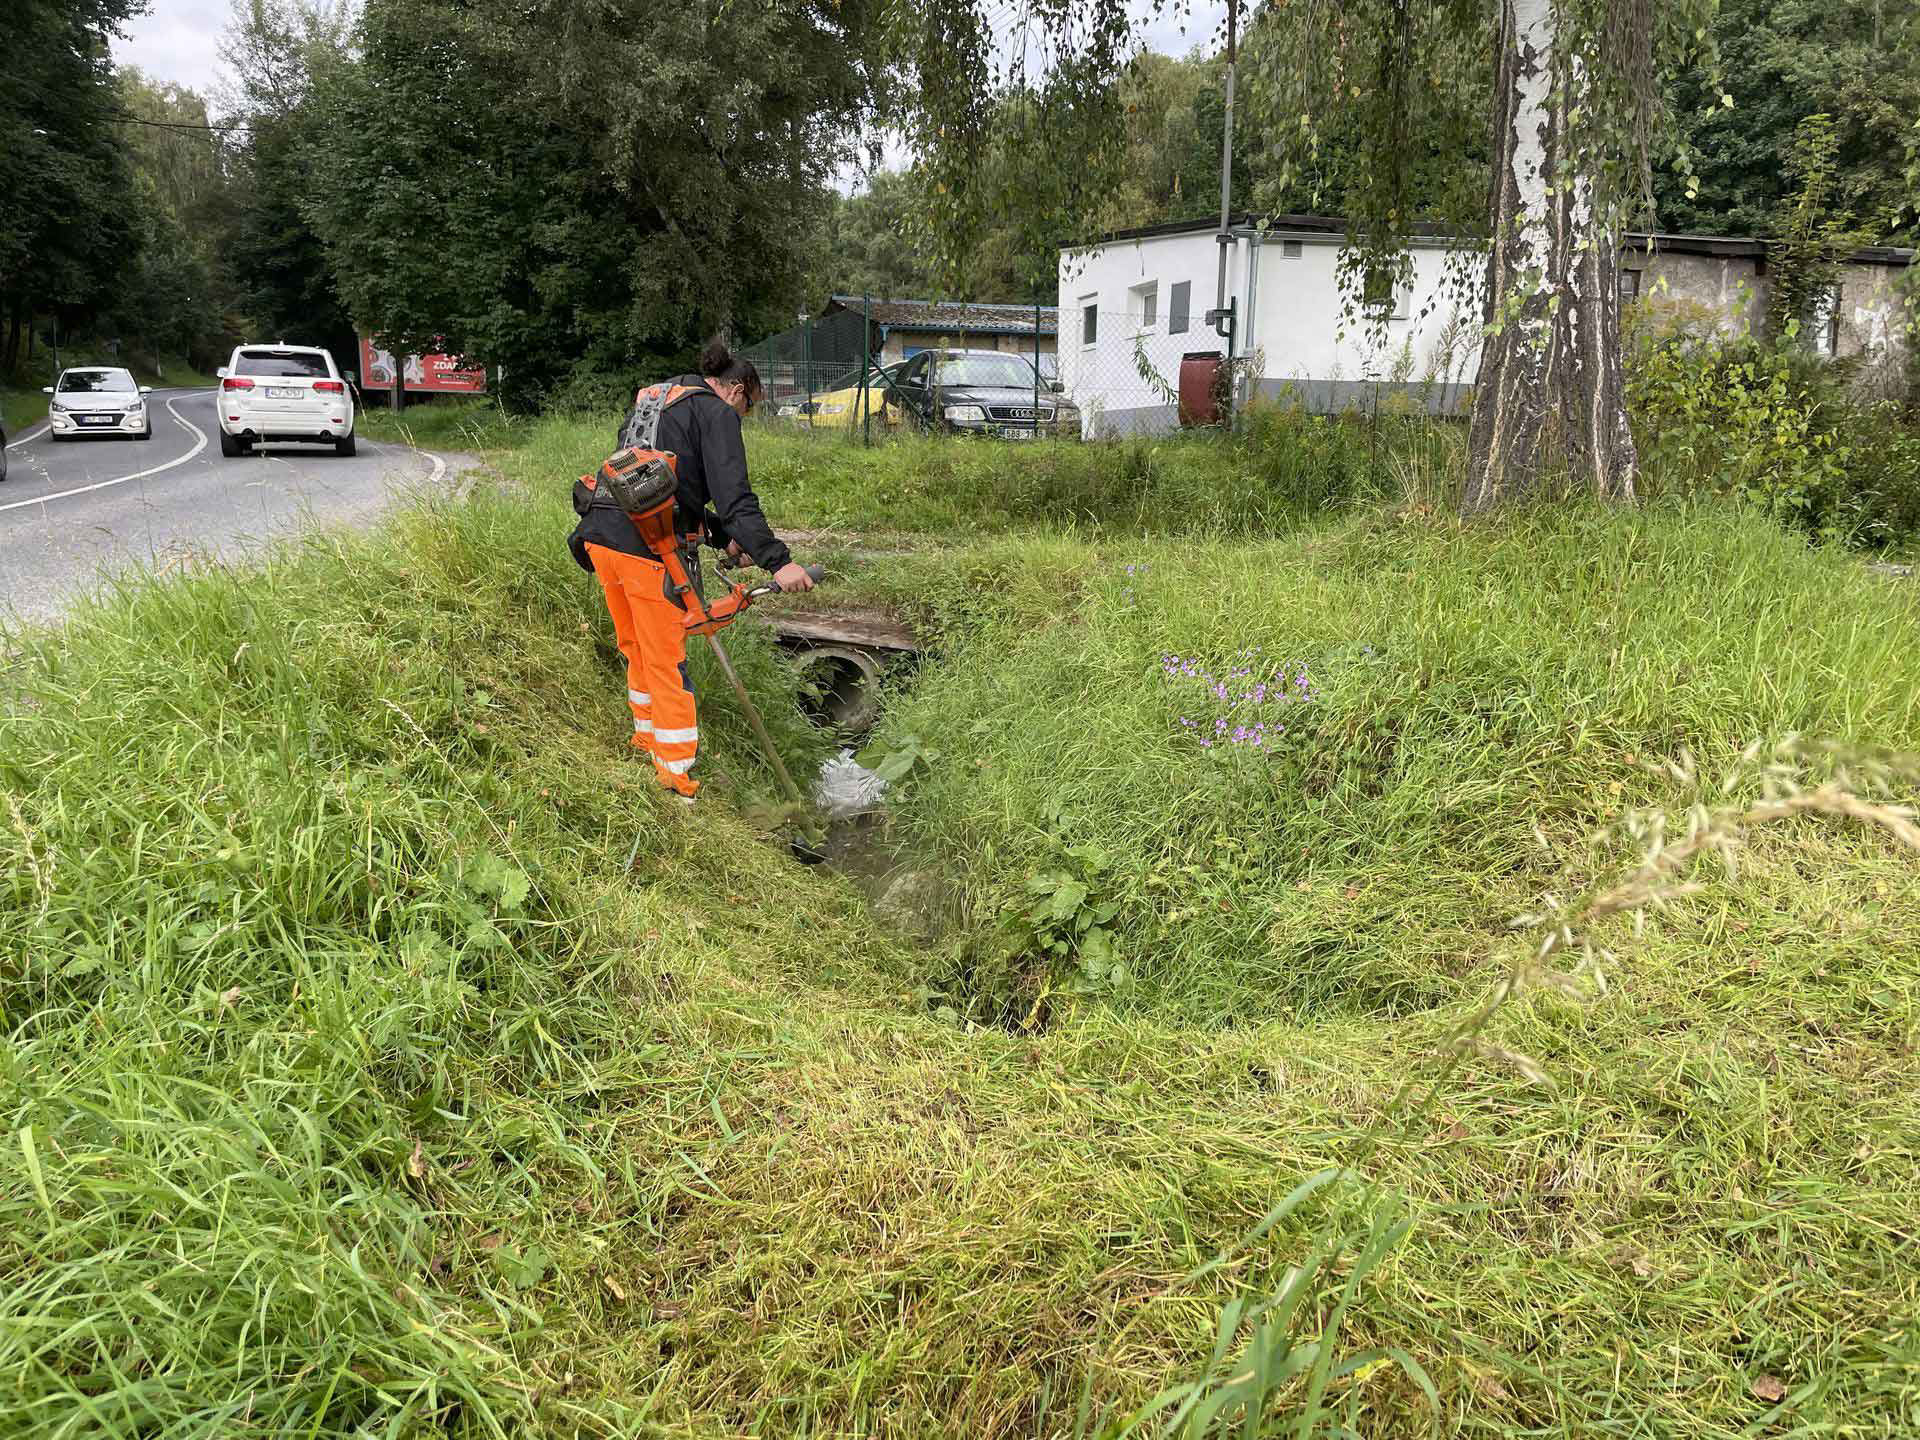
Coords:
pixel 444 424
pixel 352 1083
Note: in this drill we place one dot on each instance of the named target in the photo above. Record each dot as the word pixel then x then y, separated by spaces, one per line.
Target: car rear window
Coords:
pixel 91 382
pixel 282 364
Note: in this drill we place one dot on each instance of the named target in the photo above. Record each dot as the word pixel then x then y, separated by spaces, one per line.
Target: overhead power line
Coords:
pixel 177 124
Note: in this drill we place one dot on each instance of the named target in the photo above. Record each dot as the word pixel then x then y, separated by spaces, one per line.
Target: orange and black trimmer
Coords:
pixel 642 483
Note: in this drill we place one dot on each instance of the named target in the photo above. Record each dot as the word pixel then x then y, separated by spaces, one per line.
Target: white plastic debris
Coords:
pixel 847 788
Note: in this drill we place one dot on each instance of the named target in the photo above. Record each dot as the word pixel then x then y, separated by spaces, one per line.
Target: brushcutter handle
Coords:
pixel 815 573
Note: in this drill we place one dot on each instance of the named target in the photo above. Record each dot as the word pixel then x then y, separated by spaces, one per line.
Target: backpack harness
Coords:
pixel 642 480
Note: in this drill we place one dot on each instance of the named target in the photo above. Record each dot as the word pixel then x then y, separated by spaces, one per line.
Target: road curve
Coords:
pixel 73 513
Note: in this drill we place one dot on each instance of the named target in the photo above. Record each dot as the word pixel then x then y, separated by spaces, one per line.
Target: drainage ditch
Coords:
pixel 846 660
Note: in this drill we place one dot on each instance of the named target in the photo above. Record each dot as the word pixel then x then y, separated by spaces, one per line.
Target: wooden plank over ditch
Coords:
pixel 867 629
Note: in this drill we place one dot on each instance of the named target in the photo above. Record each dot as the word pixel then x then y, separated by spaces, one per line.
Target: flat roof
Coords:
pixel 979 317
pixel 1289 226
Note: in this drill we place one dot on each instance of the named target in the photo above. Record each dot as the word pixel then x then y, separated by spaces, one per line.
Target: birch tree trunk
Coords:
pixel 1550 386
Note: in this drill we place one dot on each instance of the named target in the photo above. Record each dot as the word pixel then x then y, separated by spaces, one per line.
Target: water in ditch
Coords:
pixel 905 893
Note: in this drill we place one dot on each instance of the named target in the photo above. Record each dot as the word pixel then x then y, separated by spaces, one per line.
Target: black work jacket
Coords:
pixel 702 433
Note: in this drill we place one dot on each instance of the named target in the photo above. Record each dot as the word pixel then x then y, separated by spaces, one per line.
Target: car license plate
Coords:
pixel 1016 432
pixel 284 392
pixel 96 419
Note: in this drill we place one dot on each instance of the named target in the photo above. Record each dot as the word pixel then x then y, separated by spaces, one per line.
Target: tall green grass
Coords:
pixel 1483 701
pixel 1467 688
pixel 447 423
pixel 1284 469
pixel 317 953
pixel 353 1086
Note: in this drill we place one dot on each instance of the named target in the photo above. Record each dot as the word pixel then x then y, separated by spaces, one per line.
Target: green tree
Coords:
pixel 284 286
pixel 65 230
pixel 1814 237
pixel 655 176
pixel 864 244
pixel 177 293
pixel 1856 61
pixel 1175 121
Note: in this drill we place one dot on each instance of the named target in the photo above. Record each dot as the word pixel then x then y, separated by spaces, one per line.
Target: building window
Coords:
pixel 1823 323
pixel 1177 307
pixel 1089 322
pixel 1146 303
pixel 1290 249
pixel 1380 298
pixel 1629 286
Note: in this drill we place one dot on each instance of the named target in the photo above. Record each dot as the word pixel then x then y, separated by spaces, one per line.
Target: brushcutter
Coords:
pixel 642 483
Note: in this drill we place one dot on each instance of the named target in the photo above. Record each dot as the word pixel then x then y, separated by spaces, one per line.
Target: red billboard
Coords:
pixel 431 374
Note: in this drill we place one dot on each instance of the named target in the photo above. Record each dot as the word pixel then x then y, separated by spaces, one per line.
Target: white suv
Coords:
pixel 284 392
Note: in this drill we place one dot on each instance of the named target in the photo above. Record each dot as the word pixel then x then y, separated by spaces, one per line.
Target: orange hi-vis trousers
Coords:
pixel 649 628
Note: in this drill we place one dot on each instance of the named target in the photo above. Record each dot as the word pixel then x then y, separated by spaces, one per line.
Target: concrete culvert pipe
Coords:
pixel 840 687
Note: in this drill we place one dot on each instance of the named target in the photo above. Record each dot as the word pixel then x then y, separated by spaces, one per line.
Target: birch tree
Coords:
pixel 1566 94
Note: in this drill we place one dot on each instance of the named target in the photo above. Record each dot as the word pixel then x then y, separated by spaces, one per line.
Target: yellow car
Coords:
pixel 838 409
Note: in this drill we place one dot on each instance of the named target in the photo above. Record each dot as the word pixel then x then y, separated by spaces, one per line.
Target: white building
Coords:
pixel 1133 305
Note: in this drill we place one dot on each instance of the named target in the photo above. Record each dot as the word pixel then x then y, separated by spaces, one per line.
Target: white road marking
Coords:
pixel 199 445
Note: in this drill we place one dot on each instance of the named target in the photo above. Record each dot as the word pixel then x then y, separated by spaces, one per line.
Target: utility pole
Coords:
pixel 1224 239
pixel 1223 317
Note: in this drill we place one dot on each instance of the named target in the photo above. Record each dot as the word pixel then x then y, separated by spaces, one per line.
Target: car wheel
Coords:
pixel 343 446
pixel 231 445
pixel 3 456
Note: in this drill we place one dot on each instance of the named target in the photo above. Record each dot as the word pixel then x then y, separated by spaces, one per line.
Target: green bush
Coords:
pixel 1775 427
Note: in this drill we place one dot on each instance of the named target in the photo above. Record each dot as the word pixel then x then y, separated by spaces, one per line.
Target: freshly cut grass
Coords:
pixel 353 1087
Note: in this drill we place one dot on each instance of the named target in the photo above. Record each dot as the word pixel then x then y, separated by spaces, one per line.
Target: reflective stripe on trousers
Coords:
pixel 649 629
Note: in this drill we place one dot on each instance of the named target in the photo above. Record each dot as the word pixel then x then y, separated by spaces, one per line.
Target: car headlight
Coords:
pixel 966 414
pixel 56 408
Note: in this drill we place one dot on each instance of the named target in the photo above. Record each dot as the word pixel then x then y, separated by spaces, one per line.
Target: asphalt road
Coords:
pixel 73 513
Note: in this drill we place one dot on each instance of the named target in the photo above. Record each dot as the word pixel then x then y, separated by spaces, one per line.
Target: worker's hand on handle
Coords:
pixel 739 557
pixel 791 577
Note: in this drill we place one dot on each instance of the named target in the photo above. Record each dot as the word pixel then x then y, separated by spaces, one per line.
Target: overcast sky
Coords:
pixel 180 39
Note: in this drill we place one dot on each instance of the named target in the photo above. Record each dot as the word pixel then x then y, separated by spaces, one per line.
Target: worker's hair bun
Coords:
pixel 716 359
pixel 719 363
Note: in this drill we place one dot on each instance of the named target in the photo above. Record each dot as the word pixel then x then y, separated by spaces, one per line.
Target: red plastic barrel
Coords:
pixel 1200 388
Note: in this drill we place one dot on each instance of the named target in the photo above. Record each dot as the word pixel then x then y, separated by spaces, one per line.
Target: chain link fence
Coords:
pixel 862 370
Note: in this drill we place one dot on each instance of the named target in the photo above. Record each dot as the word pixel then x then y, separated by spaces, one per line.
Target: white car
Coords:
pixel 275 393
pixel 98 400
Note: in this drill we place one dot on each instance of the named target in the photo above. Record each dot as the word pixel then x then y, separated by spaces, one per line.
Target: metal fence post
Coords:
pixel 866 364
pixel 806 361
pixel 1036 371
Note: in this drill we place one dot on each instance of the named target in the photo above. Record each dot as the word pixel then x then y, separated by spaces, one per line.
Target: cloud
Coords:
pixel 179 41
pixel 1177 34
